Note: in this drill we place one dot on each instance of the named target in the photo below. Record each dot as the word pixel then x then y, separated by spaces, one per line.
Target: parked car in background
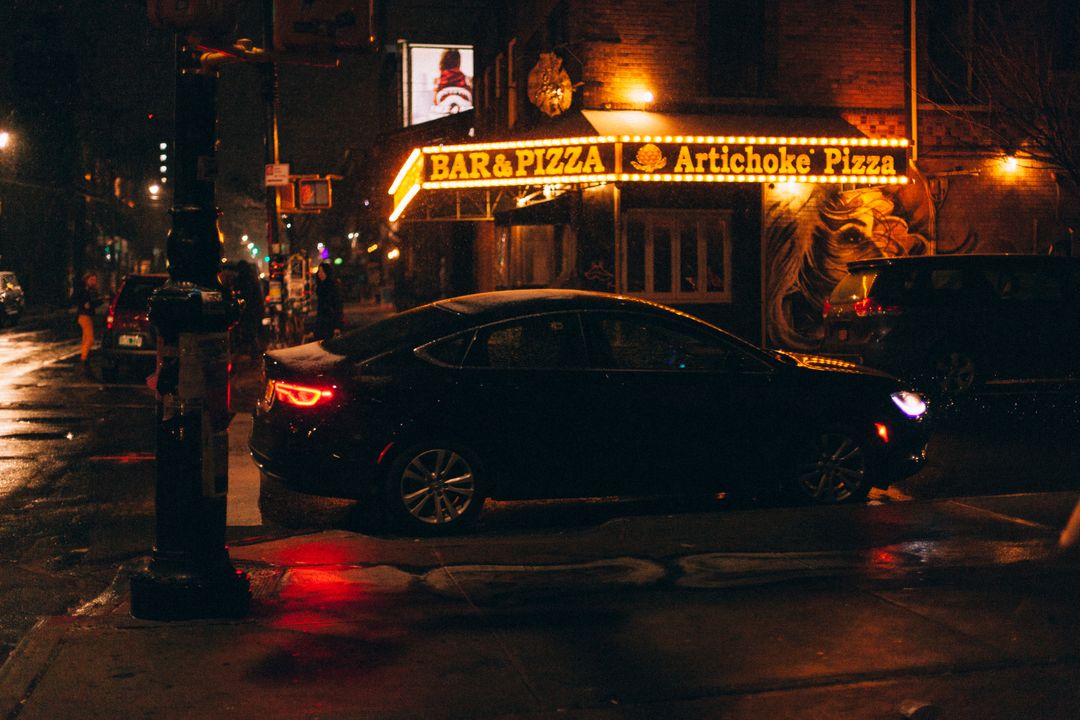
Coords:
pixel 129 340
pixel 11 298
pixel 958 323
pixel 563 393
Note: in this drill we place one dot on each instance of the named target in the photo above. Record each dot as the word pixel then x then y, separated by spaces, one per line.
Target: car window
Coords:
pixel 637 342
pixel 412 326
pixel 946 279
pixel 534 342
pixel 135 294
pixel 900 285
pixel 853 287
pixel 448 351
pixel 1028 285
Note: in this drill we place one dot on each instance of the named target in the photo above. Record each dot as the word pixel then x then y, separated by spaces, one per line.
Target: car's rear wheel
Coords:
pixel 435 488
pixel 831 467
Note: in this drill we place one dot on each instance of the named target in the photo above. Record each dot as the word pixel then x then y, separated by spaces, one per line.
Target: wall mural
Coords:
pixel 813 231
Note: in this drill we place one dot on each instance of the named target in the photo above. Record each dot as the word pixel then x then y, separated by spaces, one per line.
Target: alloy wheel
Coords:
pixel 437 486
pixel 956 373
pixel 835 470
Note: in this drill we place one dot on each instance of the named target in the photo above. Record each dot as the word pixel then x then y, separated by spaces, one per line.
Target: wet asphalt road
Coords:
pixel 77 474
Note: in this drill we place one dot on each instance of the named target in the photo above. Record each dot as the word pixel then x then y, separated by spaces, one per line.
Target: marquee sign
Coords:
pixel 651 159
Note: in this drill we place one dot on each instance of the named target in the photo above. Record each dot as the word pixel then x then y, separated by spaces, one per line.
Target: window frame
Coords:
pixel 674 220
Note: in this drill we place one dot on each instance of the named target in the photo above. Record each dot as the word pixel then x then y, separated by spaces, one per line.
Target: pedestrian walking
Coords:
pixel 86 300
pixel 329 312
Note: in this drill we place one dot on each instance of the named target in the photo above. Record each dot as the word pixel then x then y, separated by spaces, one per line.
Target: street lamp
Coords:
pixel 5 139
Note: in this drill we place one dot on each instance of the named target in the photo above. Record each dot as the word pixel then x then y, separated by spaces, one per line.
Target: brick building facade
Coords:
pixel 755 253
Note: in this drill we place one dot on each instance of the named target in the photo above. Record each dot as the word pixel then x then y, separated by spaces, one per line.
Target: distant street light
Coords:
pixel 5 139
pixel 154 190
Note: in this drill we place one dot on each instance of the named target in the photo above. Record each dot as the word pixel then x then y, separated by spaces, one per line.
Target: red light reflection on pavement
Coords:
pixel 125 459
pixel 320 552
pixel 313 597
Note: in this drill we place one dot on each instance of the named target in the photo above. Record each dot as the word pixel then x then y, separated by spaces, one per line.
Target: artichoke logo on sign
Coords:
pixel 649 158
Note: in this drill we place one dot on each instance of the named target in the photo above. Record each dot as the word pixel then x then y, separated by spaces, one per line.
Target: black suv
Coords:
pixel 129 337
pixel 11 298
pixel 956 323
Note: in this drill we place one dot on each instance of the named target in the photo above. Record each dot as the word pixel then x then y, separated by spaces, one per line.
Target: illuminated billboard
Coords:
pixel 437 80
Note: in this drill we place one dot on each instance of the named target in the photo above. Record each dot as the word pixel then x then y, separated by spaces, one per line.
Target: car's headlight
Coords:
pixel 910 403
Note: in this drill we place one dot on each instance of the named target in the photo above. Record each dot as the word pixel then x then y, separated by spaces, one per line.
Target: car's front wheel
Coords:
pixel 435 488
pixel 831 467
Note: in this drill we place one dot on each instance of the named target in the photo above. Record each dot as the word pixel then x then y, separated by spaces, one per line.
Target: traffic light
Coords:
pixel 314 194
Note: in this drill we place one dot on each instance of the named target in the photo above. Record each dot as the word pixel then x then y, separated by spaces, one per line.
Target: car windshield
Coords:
pixel 854 287
pixel 135 295
pixel 417 325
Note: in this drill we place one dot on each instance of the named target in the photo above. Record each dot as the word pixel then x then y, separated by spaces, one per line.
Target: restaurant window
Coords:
pixel 741 48
pixel 532 255
pixel 676 256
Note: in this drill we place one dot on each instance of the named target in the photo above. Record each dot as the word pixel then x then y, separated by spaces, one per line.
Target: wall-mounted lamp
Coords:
pixel 1009 163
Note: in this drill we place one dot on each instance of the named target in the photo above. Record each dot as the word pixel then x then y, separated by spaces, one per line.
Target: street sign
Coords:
pixel 277 174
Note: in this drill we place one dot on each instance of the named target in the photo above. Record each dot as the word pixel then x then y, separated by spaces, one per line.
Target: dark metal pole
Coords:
pixel 272 102
pixel 190 573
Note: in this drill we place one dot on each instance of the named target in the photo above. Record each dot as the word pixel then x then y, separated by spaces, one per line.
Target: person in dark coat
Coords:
pixel 330 313
pixel 251 339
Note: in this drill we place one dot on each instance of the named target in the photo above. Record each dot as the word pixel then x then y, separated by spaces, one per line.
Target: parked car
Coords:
pixel 129 339
pixel 563 393
pixel 11 298
pixel 958 323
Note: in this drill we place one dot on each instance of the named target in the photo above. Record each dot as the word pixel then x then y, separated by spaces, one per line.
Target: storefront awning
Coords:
pixel 638 146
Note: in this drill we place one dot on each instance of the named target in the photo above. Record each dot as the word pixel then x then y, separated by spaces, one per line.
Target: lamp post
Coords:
pixel 190 574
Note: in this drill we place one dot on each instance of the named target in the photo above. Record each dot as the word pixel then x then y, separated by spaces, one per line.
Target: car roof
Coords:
pixel 489 306
pixel 911 261
pixel 445 317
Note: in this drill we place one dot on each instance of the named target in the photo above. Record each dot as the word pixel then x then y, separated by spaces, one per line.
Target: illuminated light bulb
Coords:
pixel 1010 163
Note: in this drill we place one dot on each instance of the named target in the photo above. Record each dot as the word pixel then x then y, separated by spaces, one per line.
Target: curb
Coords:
pixel 28 663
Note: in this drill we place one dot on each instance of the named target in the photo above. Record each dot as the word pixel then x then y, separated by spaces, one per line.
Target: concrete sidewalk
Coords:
pixel 656 617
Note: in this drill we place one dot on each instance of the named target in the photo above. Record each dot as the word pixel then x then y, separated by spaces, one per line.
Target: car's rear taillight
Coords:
pixel 826 309
pixel 870 306
pixel 301 395
pixel 111 317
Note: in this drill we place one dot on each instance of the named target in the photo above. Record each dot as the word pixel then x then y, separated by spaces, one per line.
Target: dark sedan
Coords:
pixel 561 393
